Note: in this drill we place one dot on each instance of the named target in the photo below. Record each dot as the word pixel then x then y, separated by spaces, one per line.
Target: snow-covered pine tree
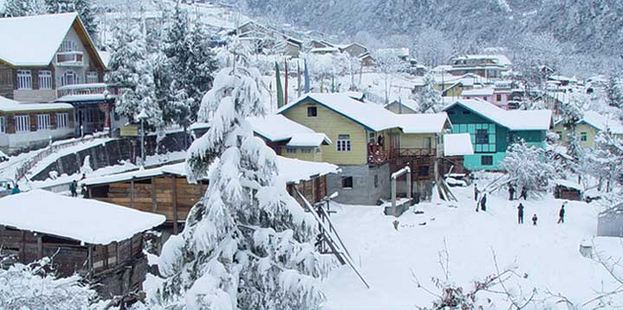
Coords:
pixel 614 91
pixel 247 244
pixel 530 167
pixel 131 70
pixel 201 66
pixel 82 7
pixel 15 8
pixel 429 98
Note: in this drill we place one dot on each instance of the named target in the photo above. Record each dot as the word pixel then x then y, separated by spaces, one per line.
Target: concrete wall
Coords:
pixel 10 143
pixel 610 225
pixel 364 190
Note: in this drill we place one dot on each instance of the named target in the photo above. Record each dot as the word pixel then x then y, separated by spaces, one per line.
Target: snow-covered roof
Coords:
pixel 408 103
pixel 325 50
pixel 484 91
pixel 309 140
pixel 498 59
pixel 398 52
pixel 8 105
pixel 290 170
pixel 82 97
pixel 422 123
pixel 602 122
pixel 357 95
pixel 33 40
pixel 105 56
pixel 276 127
pixel 457 144
pixel 369 115
pixel 511 119
pixel 569 184
pixel 85 220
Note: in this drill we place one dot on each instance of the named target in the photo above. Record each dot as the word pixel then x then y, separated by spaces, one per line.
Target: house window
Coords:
pixel 24 79
pixel 22 123
pixel 486 160
pixel 312 111
pixel 422 171
pixel 290 150
pixel 92 77
pixel 43 121
pixel 2 124
pixel 343 143
pixel 347 182
pixel 583 136
pixel 62 120
pixel 372 137
pixel 482 136
pixel 68 46
pixel 307 150
pixel 376 181
pixel 498 98
pixel 45 79
pixel 70 78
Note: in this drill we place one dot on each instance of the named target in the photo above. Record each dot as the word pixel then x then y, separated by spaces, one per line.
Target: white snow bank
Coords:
pixel 85 220
pixel 457 144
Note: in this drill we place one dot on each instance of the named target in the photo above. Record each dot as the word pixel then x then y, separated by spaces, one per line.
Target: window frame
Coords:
pixel 346 181
pixel 343 143
pixel 45 79
pixel 583 136
pixel 487 162
pixel 2 124
pixel 311 109
pixel 62 120
pixel 22 123
pixel 290 150
pixel 76 78
pixel 24 79
pixel 43 121
pixel 92 77
pixel 478 135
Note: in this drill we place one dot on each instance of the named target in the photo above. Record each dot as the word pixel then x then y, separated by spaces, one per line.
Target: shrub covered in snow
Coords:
pixel 530 167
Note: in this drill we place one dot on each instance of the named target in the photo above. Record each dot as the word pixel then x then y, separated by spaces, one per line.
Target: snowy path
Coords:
pixel 548 253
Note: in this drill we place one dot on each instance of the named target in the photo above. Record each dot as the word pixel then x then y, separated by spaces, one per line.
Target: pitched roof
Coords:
pixel 457 144
pixel 33 40
pixel 309 140
pixel 372 116
pixel 511 119
pixel 602 122
pixel 276 127
pixel 484 91
pixel 8 105
pixel 86 220
pixel 422 123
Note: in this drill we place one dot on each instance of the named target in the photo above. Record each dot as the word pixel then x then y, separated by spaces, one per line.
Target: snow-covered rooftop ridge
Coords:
pixel 457 144
pixel 8 105
pixel 276 127
pixel 309 140
pixel 497 58
pixel 569 184
pixel 511 119
pixel 33 40
pixel 483 91
pixel 422 123
pixel 602 122
pixel 86 220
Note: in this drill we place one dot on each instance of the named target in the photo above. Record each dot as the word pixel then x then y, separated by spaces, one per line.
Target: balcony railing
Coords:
pixel 69 58
pixel 86 89
pixel 377 154
pixel 414 152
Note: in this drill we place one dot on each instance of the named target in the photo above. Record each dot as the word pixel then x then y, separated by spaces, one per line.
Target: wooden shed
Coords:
pixel 101 241
pixel 568 190
pixel 165 190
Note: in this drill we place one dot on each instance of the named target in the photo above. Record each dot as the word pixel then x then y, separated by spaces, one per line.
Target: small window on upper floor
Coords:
pixel 92 77
pixel 583 136
pixel 68 46
pixel 498 98
pixel 312 111
pixel 486 160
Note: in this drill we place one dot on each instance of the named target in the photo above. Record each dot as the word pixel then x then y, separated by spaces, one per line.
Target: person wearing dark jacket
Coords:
pixel 73 188
pixel 534 219
pixel 561 214
pixel 476 192
pixel 511 192
pixel 483 202
pixel 520 214
pixel 524 193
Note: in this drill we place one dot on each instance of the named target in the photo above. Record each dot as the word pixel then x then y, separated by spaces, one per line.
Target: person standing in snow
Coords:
pixel 511 192
pixel 520 214
pixel 15 190
pixel 524 193
pixel 483 202
pixel 73 188
pixel 561 214
pixel 476 192
pixel 534 219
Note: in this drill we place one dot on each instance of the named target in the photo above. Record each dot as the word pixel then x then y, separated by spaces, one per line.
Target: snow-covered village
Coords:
pixel 311 155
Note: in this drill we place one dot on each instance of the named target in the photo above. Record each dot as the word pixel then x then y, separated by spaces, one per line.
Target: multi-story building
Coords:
pixel 586 129
pixel 486 66
pixel 48 58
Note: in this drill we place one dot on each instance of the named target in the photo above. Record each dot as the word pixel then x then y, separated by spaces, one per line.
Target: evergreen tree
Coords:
pixel 82 7
pixel 131 70
pixel 614 92
pixel 247 244
pixel 429 98
pixel 15 8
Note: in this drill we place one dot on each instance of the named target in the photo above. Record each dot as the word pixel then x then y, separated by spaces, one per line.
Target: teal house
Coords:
pixel 493 129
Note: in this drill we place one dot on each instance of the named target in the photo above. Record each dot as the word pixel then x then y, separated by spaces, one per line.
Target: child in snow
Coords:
pixel 534 219
pixel 520 214
pixel 561 214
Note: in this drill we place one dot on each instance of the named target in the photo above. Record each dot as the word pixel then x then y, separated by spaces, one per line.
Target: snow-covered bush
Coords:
pixel 530 167
pixel 30 287
pixel 429 99
pixel 247 244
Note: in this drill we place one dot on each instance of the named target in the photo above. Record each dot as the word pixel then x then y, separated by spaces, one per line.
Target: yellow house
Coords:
pixel 586 129
pixel 367 139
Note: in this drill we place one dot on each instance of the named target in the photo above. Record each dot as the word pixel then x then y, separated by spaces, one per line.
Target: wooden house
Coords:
pixel 568 190
pixel 486 66
pixel 101 241
pixel 586 129
pixel 26 125
pixel 166 191
pixel 353 49
pixel 47 58
pixel 493 129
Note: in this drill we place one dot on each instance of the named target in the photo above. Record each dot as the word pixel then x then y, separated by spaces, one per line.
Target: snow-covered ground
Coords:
pixel 546 256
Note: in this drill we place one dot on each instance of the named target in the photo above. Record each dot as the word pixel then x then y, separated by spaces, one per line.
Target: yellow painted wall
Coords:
pixel 333 124
pixel 315 155
pixel 591 132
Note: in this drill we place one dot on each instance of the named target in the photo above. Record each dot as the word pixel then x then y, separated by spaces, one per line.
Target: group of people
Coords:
pixel 561 215
pixel 511 193
pixel 73 188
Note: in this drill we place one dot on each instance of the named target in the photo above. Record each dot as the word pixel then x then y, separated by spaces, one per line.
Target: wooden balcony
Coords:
pixel 413 152
pixel 74 58
pixel 377 155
